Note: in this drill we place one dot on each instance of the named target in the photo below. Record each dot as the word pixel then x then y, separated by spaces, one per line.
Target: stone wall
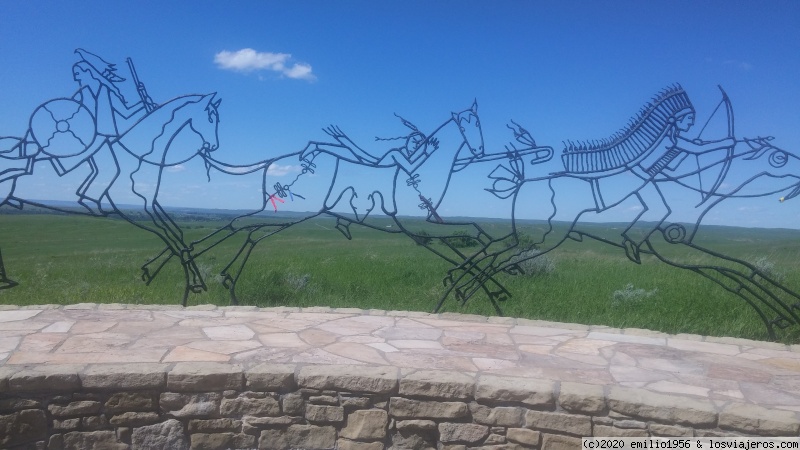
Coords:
pixel 276 406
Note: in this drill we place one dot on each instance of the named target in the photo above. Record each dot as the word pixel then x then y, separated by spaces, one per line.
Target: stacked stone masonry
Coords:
pixel 293 406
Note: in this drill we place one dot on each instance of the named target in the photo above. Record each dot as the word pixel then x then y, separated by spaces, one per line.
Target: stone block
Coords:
pixel 120 377
pixel 190 405
pixel 531 392
pixel 44 378
pixel 505 416
pixel 293 404
pixel 557 442
pixel 350 403
pixel 8 405
pixel 346 444
pixel 494 439
pixel 56 442
pixel 6 372
pixel 66 424
pixel 75 409
pixel 559 422
pixel 211 441
pixel 582 398
pixel 93 440
pixel 630 424
pixel 168 434
pixel 403 408
pixel 22 427
pixel 241 406
pixel 131 401
pixel 366 424
pixel 324 400
pixel 462 432
pixel 204 377
pixel 757 420
pixel 362 379
pixel 607 431
pixel 298 436
pixel 523 436
pixel 413 425
pixel 270 377
pixel 261 422
pixel 93 423
pixel 214 425
pixel 669 409
pixel 438 384
pixel 657 429
pixel 134 419
pixel 324 413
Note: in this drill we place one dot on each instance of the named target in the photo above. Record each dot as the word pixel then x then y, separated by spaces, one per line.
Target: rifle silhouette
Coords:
pixel 148 103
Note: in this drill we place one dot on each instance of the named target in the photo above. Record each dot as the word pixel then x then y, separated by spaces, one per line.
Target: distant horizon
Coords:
pixel 266 213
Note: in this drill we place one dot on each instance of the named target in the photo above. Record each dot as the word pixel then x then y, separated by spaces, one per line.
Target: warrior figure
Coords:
pixel 99 94
pixel 646 152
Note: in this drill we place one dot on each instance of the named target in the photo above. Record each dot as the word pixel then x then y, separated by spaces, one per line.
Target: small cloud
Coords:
pixel 743 65
pixel 176 168
pixel 248 60
pixel 278 170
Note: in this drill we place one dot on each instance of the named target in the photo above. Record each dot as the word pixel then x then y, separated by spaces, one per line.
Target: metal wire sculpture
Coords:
pixel 651 153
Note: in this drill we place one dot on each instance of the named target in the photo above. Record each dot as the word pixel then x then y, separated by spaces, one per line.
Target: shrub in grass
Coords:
pixel 297 282
pixel 767 267
pixel 423 238
pixel 461 239
pixel 630 295
pixel 524 241
pixel 533 263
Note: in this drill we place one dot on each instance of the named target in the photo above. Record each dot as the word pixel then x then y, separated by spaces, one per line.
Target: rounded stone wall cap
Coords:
pixel 376 380
pixel 754 419
pixel 270 376
pixel 649 405
pixel 205 377
pixel 125 376
pixel 528 391
pixel 47 378
pixel 439 384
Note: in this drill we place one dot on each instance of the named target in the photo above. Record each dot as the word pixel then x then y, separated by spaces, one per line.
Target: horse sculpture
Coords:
pixel 572 197
pixel 410 174
pixel 141 154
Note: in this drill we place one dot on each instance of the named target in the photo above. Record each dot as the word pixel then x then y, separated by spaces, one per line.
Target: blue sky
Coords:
pixel 564 70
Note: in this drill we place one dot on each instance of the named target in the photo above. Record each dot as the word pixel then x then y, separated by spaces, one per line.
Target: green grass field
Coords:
pixel 71 259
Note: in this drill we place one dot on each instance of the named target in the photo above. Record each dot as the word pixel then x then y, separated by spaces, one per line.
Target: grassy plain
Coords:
pixel 71 259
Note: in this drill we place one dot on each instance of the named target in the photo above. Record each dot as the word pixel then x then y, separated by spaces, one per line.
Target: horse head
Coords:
pixel 777 163
pixel 470 127
pixel 207 124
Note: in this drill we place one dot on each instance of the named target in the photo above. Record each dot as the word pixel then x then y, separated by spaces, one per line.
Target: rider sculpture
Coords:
pixel 409 156
pixel 645 152
pixel 70 132
pixel 112 115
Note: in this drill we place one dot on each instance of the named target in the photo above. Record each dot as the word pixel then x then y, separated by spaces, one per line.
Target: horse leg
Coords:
pixel 162 225
pixel 5 282
pixel 761 292
pixel 6 194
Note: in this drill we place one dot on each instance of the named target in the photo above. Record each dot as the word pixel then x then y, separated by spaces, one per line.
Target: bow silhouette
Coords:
pixel 726 165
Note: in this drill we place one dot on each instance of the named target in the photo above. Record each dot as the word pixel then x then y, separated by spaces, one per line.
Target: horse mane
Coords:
pixel 646 129
pixel 155 124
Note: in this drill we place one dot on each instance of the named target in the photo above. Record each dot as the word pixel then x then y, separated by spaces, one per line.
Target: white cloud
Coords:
pixel 278 170
pixel 176 168
pixel 248 60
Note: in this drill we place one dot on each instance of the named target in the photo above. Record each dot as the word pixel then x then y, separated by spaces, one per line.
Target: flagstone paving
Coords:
pixel 720 369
